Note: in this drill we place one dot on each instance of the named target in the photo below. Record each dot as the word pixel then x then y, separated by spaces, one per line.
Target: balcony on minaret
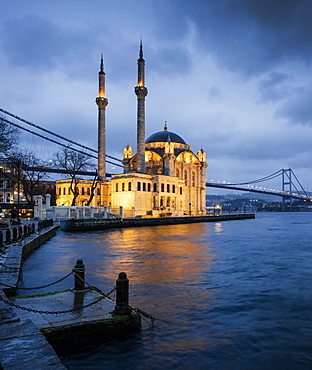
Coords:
pixel 127 152
pixel 202 156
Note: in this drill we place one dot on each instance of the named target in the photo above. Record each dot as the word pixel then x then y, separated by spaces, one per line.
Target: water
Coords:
pixel 230 295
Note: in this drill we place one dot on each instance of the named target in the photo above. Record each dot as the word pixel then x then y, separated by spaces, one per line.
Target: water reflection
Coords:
pixel 218 227
pixel 155 255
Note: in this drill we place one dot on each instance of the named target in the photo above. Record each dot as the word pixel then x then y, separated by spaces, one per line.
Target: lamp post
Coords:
pixel 18 190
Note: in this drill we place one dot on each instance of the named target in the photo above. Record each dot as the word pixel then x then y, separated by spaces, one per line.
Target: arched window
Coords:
pixel 155 187
pixel 193 179
pixel 185 175
pixel 139 186
pixel 64 191
pixel 88 191
pixel 82 191
pixel 173 188
pixel 162 187
pixel 168 188
pixel 177 172
pixel 129 186
pixel 148 187
pixel 180 190
pixel 98 191
pixel 144 186
pixel 117 187
pixel 123 186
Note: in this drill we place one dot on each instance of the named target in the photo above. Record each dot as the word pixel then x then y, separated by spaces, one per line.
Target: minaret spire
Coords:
pixel 101 102
pixel 141 92
pixel 102 64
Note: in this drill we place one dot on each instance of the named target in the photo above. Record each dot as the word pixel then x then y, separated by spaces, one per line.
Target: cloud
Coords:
pixel 298 109
pixel 33 42
pixel 274 87
pixel 246 36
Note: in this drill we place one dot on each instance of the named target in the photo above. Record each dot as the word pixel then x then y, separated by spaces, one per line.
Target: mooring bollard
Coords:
pixel 8 236
pixel 14 238
pixel 20 232
pixel 122 295
pixel 79 270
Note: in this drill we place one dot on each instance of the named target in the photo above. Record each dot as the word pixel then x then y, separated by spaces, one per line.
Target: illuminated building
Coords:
pixel 163 178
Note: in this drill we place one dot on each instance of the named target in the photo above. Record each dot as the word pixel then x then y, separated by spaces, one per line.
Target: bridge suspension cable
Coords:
pixel 56 135
pixel 266 178
pixel 54 141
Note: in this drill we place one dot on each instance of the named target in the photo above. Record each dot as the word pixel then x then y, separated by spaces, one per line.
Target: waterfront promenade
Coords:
pixel 68 319
pixel 21 343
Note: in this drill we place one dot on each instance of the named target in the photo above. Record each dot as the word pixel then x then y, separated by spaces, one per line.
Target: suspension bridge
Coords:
pixel 291 187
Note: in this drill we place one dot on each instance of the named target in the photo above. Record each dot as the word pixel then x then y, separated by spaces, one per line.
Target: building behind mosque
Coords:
pixel 163 178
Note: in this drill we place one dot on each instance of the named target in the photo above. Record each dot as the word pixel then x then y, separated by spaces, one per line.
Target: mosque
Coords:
pixel 163 178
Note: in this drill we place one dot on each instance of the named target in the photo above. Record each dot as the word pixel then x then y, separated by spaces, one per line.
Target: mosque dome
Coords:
pixel 162 137
pixel 157 142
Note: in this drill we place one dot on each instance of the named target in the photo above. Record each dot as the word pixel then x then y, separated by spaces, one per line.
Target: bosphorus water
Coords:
pixel 230 295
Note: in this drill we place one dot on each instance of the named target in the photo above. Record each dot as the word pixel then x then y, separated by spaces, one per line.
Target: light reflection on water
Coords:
pixel 233 295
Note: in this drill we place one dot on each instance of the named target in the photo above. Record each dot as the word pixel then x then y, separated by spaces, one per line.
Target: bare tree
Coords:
pixel 28 170
pixel 9 136
pixel 92 189
pixel 73 162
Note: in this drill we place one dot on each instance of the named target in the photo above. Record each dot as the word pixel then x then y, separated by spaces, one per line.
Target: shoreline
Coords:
pixel 76 225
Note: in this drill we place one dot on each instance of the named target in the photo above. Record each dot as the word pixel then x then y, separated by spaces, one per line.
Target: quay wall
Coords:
pixel 22 345
pixel 102 224
pixel 16 253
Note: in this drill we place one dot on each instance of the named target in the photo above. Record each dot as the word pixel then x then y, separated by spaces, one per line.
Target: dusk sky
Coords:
pixel 231 76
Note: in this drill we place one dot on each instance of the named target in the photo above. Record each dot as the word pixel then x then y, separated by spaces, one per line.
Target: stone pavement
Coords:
pixel 64 301
pixel 22 346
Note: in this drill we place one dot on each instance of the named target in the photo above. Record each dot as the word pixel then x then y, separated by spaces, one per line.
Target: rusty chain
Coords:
pixel 97 290
pixel 39 287
pixel 9 267
pixel 50 312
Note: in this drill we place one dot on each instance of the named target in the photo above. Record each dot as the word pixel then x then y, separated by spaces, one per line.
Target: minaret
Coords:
pixel 141 92
pixel 101 102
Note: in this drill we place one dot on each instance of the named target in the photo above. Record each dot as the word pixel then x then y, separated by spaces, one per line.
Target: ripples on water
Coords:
pixel 231 295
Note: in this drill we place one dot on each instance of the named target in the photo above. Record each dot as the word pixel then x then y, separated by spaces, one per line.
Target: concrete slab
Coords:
pixel 22 346
pixel 63 302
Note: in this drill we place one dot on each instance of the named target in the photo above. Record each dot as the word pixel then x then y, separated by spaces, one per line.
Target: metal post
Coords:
pixel 122 295
pixel 14 238
pixel 8 236
pixel 18 192
pixel 79 271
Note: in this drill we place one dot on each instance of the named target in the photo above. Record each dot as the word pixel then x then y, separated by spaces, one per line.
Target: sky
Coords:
pixel 230 76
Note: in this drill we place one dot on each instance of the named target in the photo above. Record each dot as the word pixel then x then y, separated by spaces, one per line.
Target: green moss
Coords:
pixel 41 294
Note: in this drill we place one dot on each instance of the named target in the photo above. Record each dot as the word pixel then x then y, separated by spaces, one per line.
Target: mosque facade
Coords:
pixel 163 178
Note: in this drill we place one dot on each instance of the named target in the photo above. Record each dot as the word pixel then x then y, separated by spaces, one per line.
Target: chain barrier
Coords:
pixel 39 287
pixel 9 267
pixel 97 290
pixel 51 312
pixel 143 314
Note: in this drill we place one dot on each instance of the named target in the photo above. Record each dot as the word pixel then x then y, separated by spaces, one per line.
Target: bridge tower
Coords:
pixel 101 102
pixel 141 92
pixel 287 186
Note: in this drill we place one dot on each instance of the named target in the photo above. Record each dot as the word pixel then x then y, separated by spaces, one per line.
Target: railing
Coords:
pixel 121 290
